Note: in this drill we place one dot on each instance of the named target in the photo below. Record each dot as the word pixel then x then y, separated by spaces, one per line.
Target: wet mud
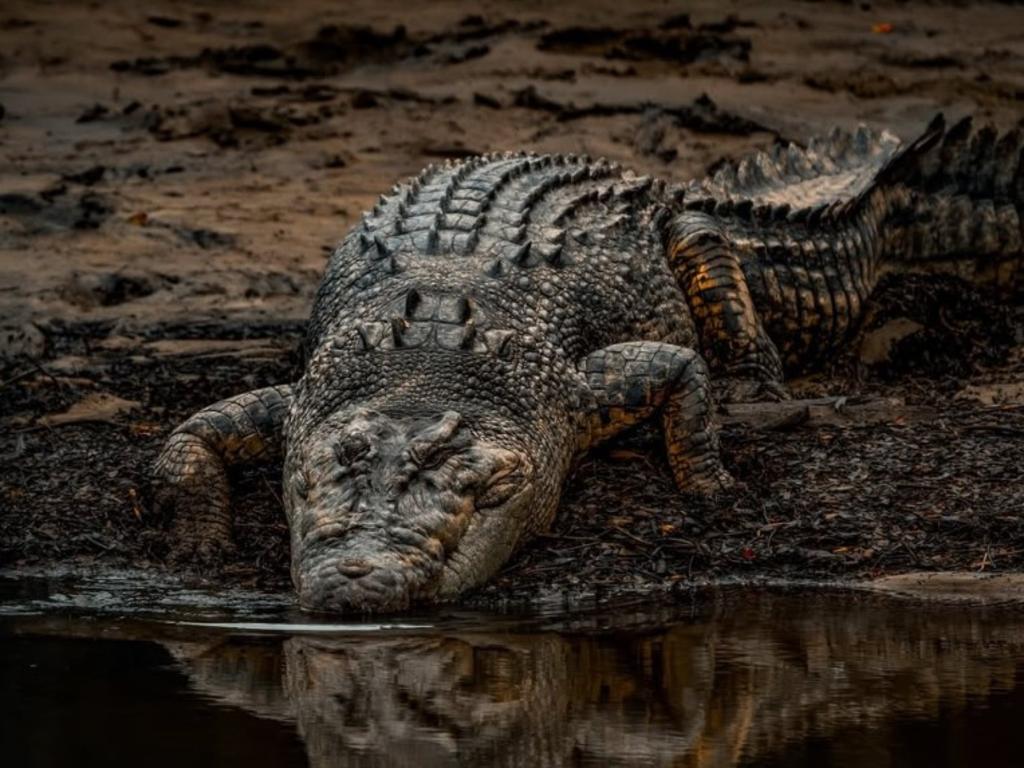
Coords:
pixel 172 178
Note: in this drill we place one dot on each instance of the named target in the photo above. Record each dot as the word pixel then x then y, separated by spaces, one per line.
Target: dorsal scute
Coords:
pixel 508 206
pixel 812 182
pixel 429 319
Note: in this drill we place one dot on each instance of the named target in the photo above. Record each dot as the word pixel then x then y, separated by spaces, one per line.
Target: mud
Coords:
pixel 172 178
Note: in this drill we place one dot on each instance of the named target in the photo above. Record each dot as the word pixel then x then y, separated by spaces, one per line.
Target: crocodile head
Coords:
pixel 418 486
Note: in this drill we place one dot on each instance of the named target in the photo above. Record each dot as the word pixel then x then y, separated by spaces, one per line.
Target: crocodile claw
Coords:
pixel 719 481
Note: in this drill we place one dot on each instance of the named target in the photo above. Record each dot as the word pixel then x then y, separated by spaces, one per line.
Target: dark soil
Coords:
pixel 815 502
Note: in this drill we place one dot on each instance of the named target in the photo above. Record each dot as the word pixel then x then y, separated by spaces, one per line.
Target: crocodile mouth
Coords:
pixel 341 571
pixel 391 510
pixel 361 569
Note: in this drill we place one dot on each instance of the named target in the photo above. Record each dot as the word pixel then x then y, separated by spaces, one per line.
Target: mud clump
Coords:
pixel 703 115
pixel 93 289
pixel 54 210
pixel 675 42
pixel 331 49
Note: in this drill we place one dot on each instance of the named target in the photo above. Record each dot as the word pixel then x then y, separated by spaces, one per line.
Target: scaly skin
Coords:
pixel 492 320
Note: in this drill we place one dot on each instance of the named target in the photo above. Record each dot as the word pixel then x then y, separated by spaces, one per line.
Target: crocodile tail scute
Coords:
pixel 954 201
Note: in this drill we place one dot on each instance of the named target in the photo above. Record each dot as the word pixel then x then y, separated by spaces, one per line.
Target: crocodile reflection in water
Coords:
pixel 700 694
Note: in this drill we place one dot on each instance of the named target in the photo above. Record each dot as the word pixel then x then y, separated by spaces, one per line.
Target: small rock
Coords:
pixel 364 100
pixel 878 344
pixel 164 21
pixel 21 341
pixel 93 113
pixel 87 177
pixel 104 289
pixel 483 100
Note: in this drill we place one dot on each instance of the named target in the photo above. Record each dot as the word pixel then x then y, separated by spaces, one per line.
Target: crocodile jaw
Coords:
pixel 390 511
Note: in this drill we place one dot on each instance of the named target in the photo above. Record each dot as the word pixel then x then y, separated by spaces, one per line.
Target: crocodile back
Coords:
pixel 564 249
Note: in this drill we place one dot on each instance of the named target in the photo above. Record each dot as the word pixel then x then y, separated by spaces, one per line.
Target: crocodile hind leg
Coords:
pixel 790 244
pixel 629 382
pixel 746 364
pixel 190 475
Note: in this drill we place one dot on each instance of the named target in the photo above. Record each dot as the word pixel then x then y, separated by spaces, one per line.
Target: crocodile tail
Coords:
pixel 813 229
pixel 953 201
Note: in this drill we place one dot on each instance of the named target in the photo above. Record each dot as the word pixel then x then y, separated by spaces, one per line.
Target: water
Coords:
pixel 124 671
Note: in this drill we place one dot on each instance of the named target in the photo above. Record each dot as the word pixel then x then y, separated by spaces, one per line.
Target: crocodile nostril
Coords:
pixel 354 569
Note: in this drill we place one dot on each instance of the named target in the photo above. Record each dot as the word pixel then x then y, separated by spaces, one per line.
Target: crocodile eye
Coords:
pixel 436 459
pixel 351 449
pixel 502 487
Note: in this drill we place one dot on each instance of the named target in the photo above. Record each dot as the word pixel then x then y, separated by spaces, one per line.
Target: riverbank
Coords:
pixel 174 178
pixel 856 480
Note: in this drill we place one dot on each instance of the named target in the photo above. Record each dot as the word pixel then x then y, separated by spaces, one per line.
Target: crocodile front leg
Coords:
pixel 190 475
pixel 630 382
pixel 745 361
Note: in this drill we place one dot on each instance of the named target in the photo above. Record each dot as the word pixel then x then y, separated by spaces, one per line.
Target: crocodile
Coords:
pixel 491 320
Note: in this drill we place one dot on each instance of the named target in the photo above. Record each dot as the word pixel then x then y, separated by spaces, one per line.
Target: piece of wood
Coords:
pixel 816 412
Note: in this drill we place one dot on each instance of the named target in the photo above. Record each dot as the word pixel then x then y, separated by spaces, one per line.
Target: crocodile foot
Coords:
pixel 713 484
pixel 190 493
pixel 200 556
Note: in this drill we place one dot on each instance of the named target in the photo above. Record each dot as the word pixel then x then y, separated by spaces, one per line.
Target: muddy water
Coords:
pixel 128 671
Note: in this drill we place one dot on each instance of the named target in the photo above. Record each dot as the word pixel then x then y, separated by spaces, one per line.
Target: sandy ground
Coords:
pixel 172 178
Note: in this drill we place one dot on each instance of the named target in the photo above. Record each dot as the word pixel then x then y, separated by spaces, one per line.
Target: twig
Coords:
pixel 635 538
pixel 273 493
pixel 16 378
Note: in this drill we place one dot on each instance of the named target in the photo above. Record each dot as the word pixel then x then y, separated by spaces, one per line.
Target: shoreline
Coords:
pixel 171 193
